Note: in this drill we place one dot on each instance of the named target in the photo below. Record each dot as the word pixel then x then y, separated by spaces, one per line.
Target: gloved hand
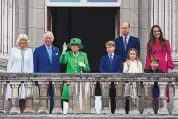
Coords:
pixel 64 47
pixel 81 64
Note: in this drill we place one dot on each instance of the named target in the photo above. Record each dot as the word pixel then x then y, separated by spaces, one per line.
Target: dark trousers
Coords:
pixel 112 95
pixel 155 103
pixel 127 105
pixel 51 105
pixel 51 96
pixel 22 105
pixel 113 105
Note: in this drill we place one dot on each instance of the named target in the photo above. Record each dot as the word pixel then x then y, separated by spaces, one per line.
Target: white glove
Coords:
pixel 81 64
pixel 64 47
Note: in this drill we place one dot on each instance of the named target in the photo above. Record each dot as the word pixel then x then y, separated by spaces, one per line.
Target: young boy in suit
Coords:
pixel 155 92
pixel 111 63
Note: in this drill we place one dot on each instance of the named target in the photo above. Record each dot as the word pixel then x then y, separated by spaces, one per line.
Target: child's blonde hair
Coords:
pixel 110 43
pixel 137 54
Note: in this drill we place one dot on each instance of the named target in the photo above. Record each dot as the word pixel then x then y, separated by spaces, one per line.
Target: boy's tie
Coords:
pixel 110 58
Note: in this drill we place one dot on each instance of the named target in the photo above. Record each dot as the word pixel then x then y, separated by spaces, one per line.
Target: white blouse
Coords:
pixel 135 67
pixel 20 62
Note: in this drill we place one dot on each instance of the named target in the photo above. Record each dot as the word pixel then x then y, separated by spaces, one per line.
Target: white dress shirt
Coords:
pixel 111 56
pixel 135 67
pixel 19 62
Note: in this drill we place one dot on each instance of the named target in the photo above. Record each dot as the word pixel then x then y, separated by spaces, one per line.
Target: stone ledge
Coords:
pixel 88 116
pixel 90 77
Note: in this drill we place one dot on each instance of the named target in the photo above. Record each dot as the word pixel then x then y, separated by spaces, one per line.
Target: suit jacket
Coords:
pixel 42 62
pixel 132 43
pixel 15 59
pixel 153 71
pixel 107 67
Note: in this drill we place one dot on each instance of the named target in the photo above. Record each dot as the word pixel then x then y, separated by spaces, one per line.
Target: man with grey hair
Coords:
pixel 46 60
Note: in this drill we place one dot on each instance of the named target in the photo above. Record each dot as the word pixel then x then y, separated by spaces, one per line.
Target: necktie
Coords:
pixel 50 54
pixel 110 58
pixel 125 42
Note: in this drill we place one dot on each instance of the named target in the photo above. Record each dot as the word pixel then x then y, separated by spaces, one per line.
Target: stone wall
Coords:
pixel 31 19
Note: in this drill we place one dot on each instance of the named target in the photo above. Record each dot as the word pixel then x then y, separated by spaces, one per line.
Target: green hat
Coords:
pixel 75 41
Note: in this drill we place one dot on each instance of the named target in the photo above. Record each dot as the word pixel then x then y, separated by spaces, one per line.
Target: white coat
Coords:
pixel 18 64
pixel 135 67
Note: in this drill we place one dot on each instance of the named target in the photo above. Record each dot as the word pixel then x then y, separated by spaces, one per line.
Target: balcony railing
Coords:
pixel 82 92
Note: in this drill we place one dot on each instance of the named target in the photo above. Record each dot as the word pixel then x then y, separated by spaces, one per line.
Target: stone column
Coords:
pixel 77 104
pixel 129 13
pixel 43 98
pixel 175 107
pixel 29 98
pixel 105 97
pixel 81 97
pixel 134 99
pixel 143 26
pixel 148 98
pixel 36 24
pixel 170 104
pixel 92 97
pixel 141 95
pixel 36 97
pixel 71 101
pixel 120 98
pixel 163 99
pixel 15 99
pixel 57 98
pixel 2 111
pixel 86 97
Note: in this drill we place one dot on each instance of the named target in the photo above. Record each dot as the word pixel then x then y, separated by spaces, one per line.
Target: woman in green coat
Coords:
pixel 76 60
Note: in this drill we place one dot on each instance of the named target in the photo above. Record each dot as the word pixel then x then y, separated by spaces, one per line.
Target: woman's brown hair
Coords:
pixel 152 38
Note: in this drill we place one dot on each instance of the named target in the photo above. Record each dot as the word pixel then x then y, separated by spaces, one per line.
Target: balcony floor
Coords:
pixel 88 116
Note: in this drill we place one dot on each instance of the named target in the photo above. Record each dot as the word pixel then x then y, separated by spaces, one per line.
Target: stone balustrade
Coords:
pixel 82 92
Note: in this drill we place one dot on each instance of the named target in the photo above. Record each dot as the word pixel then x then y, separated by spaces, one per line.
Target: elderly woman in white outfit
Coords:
pixel 20 61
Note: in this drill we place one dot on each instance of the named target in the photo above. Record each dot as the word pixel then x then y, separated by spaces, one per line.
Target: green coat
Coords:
pixel 72 61
pixel 65 92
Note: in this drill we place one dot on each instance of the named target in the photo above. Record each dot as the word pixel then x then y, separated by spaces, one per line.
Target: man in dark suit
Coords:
pixel 125 42
pixel 46 60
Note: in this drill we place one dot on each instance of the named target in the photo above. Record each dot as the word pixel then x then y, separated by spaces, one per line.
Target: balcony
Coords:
pixel 82 95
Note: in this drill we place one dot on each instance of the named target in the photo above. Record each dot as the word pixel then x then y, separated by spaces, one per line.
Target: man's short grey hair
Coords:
pixel 49 32
pixel 22 36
